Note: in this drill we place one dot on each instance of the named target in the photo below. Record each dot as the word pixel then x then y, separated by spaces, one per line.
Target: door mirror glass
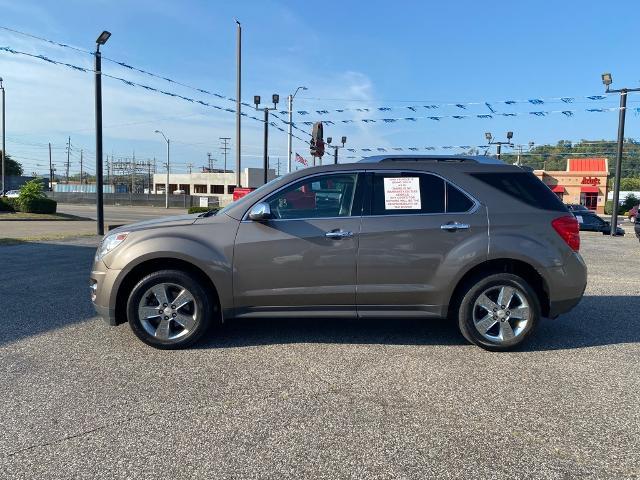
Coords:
pixel 260 212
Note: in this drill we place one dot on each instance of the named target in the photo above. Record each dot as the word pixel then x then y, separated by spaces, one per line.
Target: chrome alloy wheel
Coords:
pixel 501 313
pixel 168 311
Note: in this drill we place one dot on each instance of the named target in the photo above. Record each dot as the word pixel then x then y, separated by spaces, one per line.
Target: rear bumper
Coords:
pixel 566 285
pixel 559 307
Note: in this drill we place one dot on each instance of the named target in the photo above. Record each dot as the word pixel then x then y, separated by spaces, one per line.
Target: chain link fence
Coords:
pixel 135 199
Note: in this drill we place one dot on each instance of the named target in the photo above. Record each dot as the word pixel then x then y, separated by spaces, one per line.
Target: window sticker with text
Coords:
pixel 402 193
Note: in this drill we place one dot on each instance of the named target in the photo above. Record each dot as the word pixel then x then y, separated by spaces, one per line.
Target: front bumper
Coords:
pixel 102 281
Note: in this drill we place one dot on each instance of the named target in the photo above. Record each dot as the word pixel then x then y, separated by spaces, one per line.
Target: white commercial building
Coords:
pixel 211 184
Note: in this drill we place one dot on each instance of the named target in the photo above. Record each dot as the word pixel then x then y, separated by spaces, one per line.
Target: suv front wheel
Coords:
pixel 498 312
pixel 169 309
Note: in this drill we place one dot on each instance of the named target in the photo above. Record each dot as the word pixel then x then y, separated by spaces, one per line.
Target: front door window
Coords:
pixel 317 197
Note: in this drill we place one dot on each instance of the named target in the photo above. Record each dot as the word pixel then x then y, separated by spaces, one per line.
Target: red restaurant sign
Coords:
pixel 590 181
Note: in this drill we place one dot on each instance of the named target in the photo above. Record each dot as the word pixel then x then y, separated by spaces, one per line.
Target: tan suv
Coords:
pixel 469 238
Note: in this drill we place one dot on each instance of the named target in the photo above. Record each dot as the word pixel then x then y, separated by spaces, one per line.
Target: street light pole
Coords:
pixel 166 189
pixel 238 97
pixel 102 39
pixel 290 137
pixel 498 145
pixel 275 98
pixel 335 148
pixel 607 80
pixel 4 154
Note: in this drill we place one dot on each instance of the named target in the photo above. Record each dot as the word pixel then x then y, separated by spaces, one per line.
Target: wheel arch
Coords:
pixel 503 265
pixel 146 267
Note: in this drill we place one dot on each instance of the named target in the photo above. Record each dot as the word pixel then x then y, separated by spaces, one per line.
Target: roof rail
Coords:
pixel 431 158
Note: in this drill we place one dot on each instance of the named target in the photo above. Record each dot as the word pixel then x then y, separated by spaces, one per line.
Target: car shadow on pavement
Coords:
pixel 46 286
pixel 596 321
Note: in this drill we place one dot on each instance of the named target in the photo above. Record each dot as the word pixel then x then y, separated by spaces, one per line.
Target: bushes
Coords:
pixel 630 202
pixel 199 209
pixel 30 200
pixel 6 205
pixel 38 205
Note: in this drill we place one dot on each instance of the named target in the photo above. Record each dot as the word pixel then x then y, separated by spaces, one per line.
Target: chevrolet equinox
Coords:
pixel 472 239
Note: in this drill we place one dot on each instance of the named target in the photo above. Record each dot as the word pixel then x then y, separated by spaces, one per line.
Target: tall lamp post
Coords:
pixel 290 139
pixel 238 98
pixel 608 80
pixel 275 98
pixel 3 134
pixel 498 145
pixel 336 147
pixel 102 39
pixel 166 189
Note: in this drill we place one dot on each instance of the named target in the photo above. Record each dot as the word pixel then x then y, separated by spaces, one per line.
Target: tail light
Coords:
pixel 569 229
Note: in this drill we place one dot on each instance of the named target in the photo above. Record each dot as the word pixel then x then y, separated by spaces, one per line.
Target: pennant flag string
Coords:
pixel 389 120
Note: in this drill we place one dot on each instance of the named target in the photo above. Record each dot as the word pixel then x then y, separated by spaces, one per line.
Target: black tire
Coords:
pixel 199 310
pixel 490 283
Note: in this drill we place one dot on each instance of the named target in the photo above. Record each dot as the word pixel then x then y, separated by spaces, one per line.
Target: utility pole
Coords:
pixel 290 135
pixel 81 171
pixel 189 166
pixel 607 80
pixel 50 170
pixel 238 97
pixel 210 163
pixel 275 98
pixel 4 148
pixel 66 176
pixel 148 178
pixel 278 166
pixel 225 149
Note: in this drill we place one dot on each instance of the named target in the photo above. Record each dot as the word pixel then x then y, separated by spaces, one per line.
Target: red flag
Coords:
pixel 301 160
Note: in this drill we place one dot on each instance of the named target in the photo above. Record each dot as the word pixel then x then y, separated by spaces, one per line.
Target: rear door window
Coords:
pixel 407 193
pixel 457 201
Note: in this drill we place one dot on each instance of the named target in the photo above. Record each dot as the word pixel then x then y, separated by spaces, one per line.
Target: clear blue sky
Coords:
pixel 349 55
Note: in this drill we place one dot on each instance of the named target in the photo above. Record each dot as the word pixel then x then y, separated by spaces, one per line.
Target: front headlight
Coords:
pixel 110 242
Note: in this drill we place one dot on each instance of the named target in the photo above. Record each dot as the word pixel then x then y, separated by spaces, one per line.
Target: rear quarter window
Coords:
pixel 523 186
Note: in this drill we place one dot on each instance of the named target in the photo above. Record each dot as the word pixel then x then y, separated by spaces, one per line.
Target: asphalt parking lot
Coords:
pixel 315 399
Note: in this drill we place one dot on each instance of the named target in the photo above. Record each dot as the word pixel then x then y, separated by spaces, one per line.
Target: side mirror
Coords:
pixel 260 212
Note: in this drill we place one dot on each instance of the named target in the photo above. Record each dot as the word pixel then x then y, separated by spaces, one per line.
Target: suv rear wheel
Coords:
pixel 498 312
pixel 169 309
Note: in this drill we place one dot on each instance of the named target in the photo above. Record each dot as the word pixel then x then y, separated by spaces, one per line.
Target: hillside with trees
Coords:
pixel 554 157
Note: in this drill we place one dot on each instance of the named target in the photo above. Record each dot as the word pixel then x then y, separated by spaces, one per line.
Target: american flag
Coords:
pixel 301 160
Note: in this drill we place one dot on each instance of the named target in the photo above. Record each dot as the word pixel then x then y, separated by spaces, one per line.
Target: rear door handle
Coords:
pixel 454 226
pixel 338 234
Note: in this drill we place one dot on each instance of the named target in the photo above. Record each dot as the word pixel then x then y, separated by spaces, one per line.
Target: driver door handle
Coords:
pixel 454 226
pixel 338 234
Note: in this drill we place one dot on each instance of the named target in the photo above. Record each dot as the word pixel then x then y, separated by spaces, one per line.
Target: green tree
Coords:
pixel 12 167
pixel 630 184
pixel 32 190
pixel 554 157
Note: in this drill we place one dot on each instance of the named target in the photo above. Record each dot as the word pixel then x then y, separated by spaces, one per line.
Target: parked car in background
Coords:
pixel 12 194
pixel 472 239
pixel 591 222
pixel 636 227
pixel 575 207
